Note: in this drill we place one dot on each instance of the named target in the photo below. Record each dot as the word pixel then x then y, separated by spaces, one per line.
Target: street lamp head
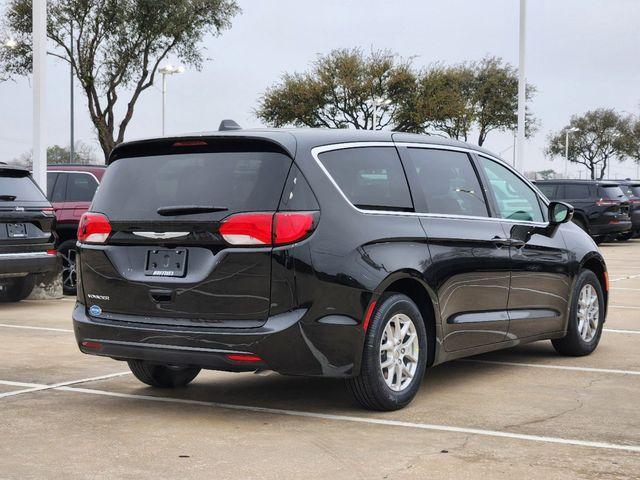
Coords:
pixel 170 69
pixel 573 129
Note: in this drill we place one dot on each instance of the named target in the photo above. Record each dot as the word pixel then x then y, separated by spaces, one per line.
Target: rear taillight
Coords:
pixel 634 201
pixel 602 202
pixel 93 228
pixel 267 229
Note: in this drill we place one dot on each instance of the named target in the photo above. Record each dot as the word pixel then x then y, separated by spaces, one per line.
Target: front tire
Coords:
pixel 162 376
pixel 394 357
pixel 586 317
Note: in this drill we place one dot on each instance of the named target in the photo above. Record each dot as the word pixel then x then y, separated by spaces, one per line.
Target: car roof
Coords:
pixel 290 139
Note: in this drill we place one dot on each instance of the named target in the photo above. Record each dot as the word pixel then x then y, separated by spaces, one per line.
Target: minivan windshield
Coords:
pixel 19 189
pixel 135 188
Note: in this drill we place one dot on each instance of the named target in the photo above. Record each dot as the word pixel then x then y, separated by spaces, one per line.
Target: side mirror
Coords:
pixel 560 212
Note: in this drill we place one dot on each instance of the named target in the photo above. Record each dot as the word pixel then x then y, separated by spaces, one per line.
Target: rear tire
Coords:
pixel 19 289
pixel 67 251
pixel 390 377
pixel 162 376
pixel 586 317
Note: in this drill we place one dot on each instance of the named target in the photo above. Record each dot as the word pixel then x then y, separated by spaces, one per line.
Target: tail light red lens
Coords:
pixel 602 202
pixel 267 229
pixel 248 229
pixel 290 227
pixel 93 228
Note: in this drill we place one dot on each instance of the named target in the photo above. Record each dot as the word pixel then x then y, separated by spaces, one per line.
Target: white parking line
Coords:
pixel 616 330
pixel 41 387
pixel 628 277
pixel 630 307
pixel 553 367
pixel 365 420
pixel 49 329
pixel 625 288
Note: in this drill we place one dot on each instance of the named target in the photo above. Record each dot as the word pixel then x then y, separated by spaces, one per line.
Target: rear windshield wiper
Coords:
pixel 8 198
pixel 188 210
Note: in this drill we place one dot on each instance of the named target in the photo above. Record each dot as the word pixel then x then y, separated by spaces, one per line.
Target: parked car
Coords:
pixel 70 188
pixel 631 189
pixel 26 234
pixel 363 255
pixel 601 207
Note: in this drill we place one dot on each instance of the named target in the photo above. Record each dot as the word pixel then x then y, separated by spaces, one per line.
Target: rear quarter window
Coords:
pixel 575 192
pixel 370 177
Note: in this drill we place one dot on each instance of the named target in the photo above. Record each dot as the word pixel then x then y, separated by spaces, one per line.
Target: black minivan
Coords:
pixel 363 255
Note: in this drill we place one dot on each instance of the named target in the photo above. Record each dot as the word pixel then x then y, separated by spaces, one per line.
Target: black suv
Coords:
pixel 363 255
pixel 631 189
pixel 26 238
pixel 601 207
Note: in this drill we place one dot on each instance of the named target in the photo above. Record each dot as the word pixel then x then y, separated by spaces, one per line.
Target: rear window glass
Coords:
pixel 81 187
pixel 134 188
pixel 550 191
pixel 574 191
pixel 370 177
pixel 613 192
pixel 19 189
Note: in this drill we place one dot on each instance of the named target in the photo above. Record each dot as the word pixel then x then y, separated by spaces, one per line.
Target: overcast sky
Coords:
pixel 581 55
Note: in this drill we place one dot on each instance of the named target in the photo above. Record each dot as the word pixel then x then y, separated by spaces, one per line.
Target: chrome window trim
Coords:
pixel 76 171
pixel 316 151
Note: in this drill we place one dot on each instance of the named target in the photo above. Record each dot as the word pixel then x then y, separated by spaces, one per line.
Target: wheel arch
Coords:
pixel 410 283
pixel 597 265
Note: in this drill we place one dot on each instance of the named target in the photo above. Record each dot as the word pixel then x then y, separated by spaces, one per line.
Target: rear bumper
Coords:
pixel 621 226
pixel 290 344
pixel 27 262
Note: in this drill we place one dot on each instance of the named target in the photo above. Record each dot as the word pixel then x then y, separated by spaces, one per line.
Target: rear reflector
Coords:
pixel 267 229
pixel 606 281
pixel 243 357
pixel 52 252
pixel 93 228
pixel 92 345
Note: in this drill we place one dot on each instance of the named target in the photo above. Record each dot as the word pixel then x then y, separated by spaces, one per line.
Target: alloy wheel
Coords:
pixel 588 312
pixel 69 269
pixel 399 352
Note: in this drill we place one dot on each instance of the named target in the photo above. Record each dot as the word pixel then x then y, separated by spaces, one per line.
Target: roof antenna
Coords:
pixel 228 124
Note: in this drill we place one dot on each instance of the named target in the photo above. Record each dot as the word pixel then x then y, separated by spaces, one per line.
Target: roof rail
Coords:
pixel 228 124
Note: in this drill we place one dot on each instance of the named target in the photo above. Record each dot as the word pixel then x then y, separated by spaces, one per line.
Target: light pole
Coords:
pixel 522 98
pixel 39 10
pixel 167 70
pixel 71 126
pixel 378 102
pixel 566 149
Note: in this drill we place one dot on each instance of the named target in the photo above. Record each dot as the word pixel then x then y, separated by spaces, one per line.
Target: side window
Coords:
pixel 550 191
pixel 60 189
pixel 51 181
pixel 448 181
pixel 576 191
pixel 514 198
pixel 80 187
pixel 370 177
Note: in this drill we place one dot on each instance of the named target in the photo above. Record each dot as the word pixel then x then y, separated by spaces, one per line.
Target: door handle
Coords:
pixel 500 242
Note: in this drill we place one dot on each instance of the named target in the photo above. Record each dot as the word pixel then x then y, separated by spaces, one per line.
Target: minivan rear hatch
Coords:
pixel 165 258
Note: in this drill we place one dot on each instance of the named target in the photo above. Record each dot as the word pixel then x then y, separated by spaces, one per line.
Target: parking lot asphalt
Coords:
pixel 519 413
